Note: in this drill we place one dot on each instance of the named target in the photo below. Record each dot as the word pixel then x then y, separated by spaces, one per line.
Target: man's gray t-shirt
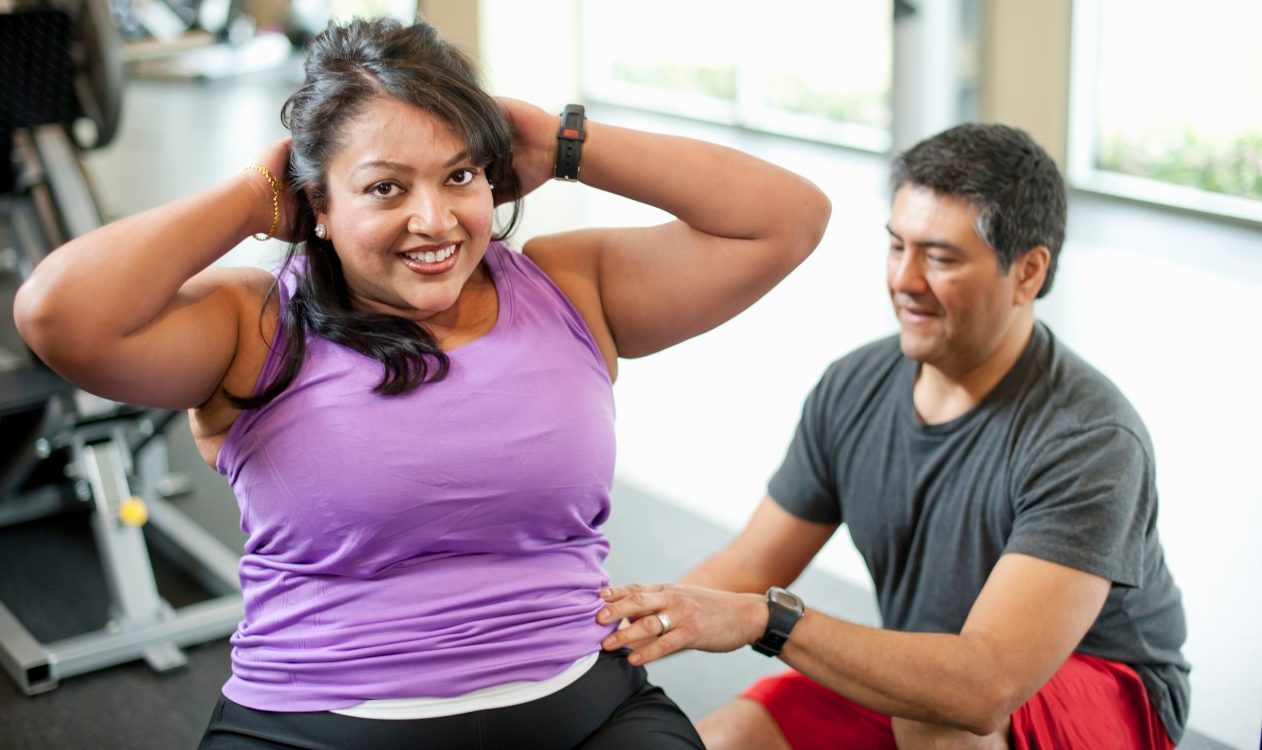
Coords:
pixel 1054 463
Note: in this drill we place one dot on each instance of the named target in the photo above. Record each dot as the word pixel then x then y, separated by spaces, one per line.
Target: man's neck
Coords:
pixel 944 393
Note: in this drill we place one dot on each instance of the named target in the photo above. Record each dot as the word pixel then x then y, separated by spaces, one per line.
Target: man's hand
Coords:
pixel 698 618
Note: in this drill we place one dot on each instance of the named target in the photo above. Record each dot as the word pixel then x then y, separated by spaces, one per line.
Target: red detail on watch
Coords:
pixel 570 133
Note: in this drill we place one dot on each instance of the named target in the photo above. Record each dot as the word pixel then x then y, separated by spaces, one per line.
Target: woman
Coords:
pixel 416 420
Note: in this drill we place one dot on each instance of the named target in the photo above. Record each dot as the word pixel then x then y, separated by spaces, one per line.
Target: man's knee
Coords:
pixel 915 735
pixel 741 724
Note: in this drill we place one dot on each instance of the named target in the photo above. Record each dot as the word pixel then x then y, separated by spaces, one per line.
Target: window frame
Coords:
pixel 1081 149
pixel 745 111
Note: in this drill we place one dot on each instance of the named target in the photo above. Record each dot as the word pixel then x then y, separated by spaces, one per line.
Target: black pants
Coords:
pixel 612 707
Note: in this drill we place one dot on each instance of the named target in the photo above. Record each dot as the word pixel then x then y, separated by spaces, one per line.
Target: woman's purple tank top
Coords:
pixel 432 543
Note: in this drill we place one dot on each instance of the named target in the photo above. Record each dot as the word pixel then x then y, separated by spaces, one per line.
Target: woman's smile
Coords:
pixel 432 260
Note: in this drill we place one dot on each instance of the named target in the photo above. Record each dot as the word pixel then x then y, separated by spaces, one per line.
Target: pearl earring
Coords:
pixel 321 232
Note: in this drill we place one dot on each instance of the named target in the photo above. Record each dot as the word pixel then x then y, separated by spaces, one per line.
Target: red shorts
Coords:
pixel 1089 703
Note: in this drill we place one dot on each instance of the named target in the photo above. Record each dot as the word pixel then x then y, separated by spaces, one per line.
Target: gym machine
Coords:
pixel 62 449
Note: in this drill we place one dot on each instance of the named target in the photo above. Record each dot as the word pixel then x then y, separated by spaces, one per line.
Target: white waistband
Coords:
pixel 495 696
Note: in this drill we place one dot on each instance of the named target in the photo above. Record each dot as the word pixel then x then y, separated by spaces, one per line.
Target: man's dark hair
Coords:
pixel 1017 190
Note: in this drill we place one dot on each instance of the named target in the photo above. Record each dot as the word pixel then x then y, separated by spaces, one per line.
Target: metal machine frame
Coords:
pixel 111 457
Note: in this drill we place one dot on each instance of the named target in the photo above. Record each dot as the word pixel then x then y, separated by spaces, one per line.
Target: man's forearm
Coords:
pixel 946 680
pixel 929 677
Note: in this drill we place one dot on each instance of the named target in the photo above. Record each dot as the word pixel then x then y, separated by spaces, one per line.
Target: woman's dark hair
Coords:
pixel 347 67
pixel 1015 186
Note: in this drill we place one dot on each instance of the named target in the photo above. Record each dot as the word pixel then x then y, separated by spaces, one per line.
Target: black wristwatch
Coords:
pixel 570 138
pixel 784 610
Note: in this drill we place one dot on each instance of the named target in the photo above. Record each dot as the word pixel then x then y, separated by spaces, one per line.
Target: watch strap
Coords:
pixel 570 137
pixel 781 618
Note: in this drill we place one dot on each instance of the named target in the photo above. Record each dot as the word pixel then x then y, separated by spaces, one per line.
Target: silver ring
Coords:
pixel 663 619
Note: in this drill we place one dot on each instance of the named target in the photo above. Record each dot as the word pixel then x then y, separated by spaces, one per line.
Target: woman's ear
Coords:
pixel 318 213
pixel 316 200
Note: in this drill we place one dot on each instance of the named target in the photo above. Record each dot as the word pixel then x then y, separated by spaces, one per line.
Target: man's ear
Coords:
pixel 1029 270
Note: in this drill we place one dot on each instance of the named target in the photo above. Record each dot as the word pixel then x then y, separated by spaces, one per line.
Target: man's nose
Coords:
pixel 906 272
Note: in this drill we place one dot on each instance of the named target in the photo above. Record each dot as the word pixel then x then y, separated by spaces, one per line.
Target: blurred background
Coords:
pixel 1152 108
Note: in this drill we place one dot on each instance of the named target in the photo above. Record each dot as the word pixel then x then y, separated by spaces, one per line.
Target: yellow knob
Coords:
pixel 133 512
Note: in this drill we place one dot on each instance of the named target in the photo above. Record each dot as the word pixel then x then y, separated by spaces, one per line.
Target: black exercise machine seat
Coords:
pixel 30 387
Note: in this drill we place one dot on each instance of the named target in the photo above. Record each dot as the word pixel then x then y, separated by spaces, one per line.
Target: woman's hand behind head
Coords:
pixel 534 144
pixel 275 158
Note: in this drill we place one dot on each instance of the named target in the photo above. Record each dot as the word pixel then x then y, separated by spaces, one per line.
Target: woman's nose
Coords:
pixel 431 217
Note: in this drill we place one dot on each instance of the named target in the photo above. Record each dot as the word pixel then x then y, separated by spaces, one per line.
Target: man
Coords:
pixel 1001 491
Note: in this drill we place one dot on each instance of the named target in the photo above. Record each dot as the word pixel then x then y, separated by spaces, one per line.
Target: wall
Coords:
pixel 1025 69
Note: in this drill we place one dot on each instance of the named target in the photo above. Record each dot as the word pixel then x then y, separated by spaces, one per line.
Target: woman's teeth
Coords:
pixel 432 256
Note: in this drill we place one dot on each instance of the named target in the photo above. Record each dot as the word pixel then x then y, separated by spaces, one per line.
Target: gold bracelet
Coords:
pixel 275 200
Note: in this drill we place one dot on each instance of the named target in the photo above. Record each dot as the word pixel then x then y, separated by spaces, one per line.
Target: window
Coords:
pixel 814 69
pixel 1166 103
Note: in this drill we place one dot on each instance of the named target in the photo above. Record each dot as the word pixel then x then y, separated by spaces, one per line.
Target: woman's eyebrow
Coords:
pixel 401 167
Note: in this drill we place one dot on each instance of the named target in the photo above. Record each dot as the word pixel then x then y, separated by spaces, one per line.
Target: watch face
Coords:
pixel 784 598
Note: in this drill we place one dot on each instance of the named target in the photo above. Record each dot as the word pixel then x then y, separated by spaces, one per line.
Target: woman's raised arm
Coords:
pixel 131 312
pixel 742 225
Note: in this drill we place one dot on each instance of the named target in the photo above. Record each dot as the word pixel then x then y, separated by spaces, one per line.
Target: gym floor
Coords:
pixel 50 577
